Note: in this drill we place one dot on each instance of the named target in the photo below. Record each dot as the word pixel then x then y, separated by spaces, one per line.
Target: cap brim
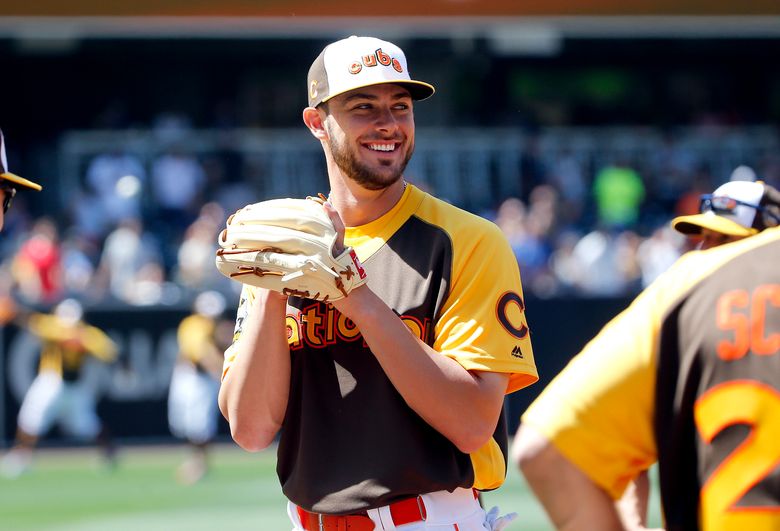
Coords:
pixel 419 90
pixel 693 225
pixel 21 181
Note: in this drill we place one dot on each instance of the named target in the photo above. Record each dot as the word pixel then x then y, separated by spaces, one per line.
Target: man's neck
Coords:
pixel 357 205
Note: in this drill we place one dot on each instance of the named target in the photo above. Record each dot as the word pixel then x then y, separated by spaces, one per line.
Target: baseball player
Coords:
pixel 688 376
pixel 58 393
pixel 10 183
pixel 387 402
pixel 733 211
pixel 192 399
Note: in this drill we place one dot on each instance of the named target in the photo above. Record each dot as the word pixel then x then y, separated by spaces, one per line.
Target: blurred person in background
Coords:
pixel 10 183
pixel 117 180
pixel 657 253
pixel 37 265
pixel 195 257
pixel 192 400
pixel 60 393
pixel 619 192
pixel 735 210
pixel 177 184
pixel 126 252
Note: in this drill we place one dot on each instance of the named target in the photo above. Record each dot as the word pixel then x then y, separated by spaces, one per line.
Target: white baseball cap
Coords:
pixel 357 62
pixel 733 209
pixel 5 175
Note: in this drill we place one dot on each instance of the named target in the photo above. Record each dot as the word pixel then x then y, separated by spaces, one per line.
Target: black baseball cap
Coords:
pixel 357 62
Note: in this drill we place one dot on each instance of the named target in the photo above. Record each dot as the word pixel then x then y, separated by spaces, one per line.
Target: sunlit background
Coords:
pixel 581 128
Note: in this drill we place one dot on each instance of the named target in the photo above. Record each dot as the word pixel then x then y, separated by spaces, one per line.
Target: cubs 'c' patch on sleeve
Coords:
pixel 486 289
pixel 244 304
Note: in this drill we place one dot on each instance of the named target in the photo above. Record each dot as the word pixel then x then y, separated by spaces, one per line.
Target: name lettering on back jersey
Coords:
pixel 743 315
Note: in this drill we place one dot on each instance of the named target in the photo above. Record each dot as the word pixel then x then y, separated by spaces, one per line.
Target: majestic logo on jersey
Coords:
pixel 510 311
pixel 517 352
pixel 320 325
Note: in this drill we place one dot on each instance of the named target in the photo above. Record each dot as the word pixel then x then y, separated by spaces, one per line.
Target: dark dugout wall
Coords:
pixel 134 389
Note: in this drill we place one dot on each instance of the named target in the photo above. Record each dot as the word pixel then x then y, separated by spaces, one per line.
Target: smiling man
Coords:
pixel 10 183
pixel 388 401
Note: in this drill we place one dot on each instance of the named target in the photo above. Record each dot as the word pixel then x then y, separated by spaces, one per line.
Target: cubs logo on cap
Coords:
pixel 5 175
pixel 357 62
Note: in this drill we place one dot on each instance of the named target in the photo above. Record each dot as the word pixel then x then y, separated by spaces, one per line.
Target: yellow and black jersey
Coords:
pixel 195 336
pixel 688 375
pixel 349 441
pixel 65 347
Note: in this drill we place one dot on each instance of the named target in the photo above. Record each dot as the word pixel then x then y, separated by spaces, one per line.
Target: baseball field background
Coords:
pixel 70 490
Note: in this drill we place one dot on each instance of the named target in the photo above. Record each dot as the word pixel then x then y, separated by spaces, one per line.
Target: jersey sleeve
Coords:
pixel 245 302
pixel 483 324
pixel 194 336
pixel 598 411
pixel 98 344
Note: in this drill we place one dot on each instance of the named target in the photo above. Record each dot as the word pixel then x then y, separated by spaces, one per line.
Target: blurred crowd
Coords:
pixel 144 232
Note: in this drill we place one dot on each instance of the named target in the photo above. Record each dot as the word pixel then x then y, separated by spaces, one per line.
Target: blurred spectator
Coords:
pixel 195 268
pixel 37 266
pixel 619 191
pixel 564 264
pixel 59 393
pixel 688 202
pixel 525 238
pixel 203 336
pixel 567 175
pixel 79 256
pixel 117 179
pixel 598 272
pixel 125 253
pixel 177 185
pixel 658 252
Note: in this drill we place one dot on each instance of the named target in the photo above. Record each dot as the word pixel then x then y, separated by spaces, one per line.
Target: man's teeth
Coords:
pixel 382 147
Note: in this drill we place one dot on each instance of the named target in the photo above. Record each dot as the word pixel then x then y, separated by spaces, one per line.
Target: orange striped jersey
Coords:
pixel 349 442
pixel 688 375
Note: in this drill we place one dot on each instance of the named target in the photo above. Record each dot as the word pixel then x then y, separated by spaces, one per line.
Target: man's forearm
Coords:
pixel 254 392
pixel 462 406
pixel 572 501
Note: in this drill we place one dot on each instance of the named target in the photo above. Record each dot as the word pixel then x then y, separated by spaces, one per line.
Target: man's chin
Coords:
pixel 377 183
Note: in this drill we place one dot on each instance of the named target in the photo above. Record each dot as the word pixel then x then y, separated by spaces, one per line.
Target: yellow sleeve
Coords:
pixel 245 302
pixel 48 328
pixel 98 344
pixel 598 411
pixel 195 337
pixel 483 324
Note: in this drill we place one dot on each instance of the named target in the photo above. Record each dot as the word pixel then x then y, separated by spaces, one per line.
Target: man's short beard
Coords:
pixel 360 173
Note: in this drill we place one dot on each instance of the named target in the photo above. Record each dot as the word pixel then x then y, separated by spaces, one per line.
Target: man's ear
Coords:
pixel 314 120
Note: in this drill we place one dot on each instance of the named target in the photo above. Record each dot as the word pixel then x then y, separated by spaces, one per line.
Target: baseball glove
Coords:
pixel 287 245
